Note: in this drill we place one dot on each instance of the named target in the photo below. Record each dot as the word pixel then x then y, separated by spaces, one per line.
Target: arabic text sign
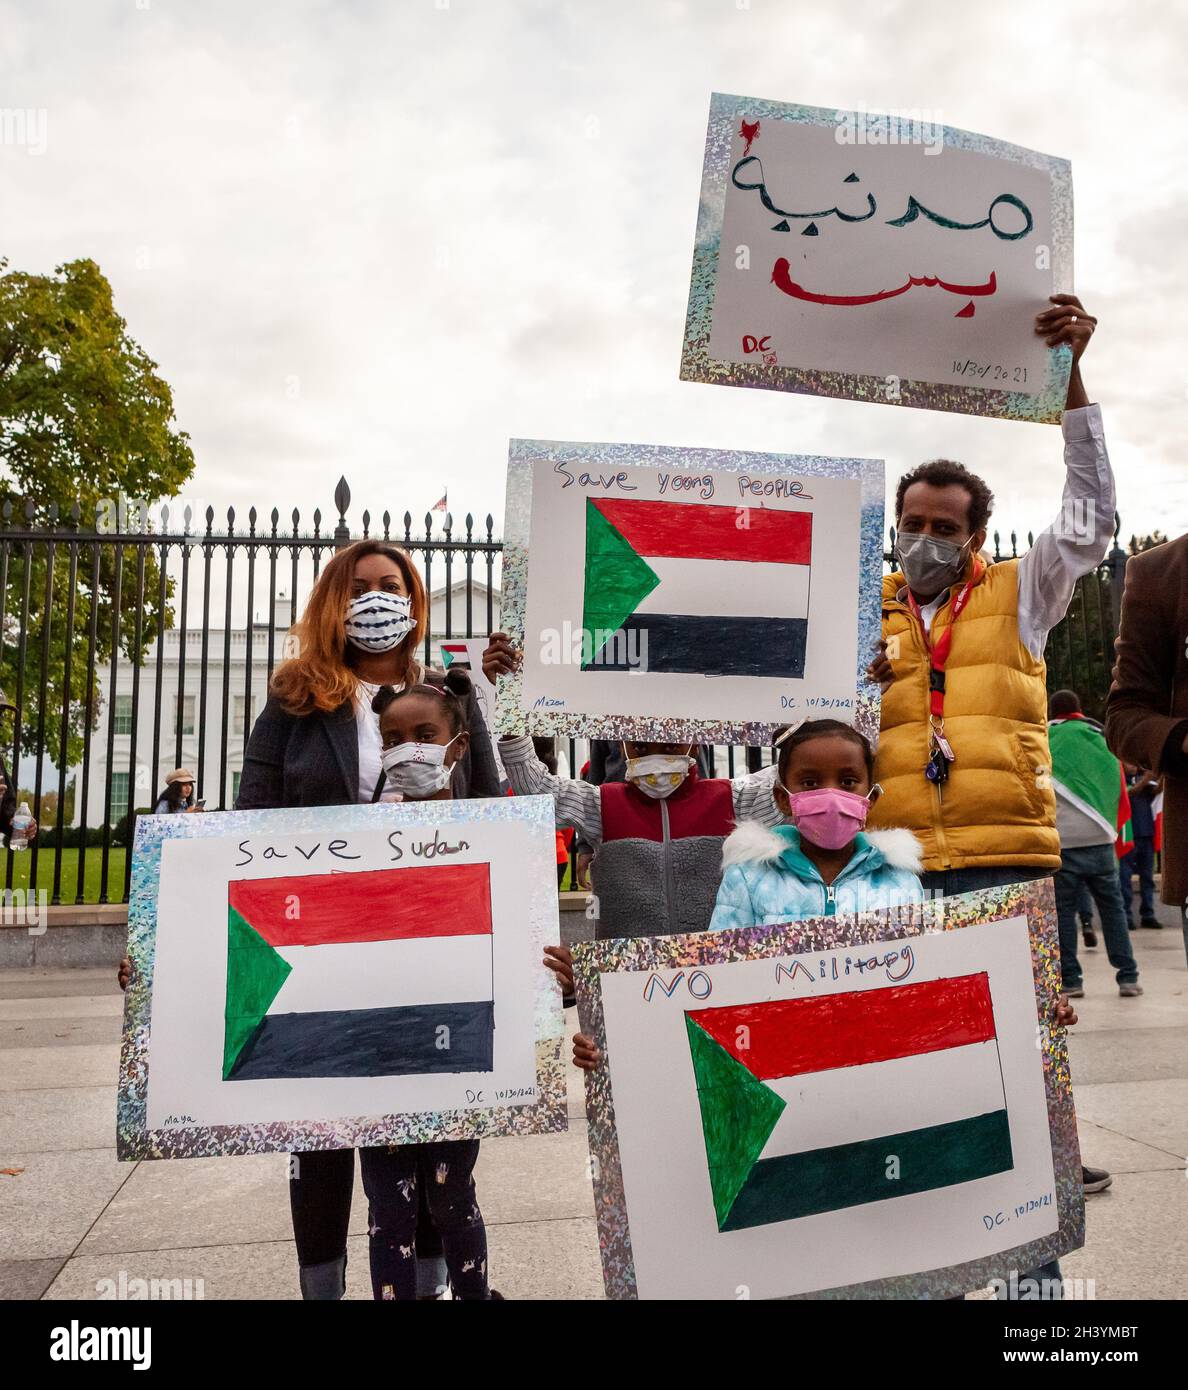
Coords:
pixel 820 1107
pixel 333 976
pixel 907 272
pixel 688 593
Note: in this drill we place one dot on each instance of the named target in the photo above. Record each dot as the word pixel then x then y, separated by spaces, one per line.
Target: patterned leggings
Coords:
pixel 390 1179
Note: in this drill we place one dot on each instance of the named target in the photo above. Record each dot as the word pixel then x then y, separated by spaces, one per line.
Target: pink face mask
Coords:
pixel 828 817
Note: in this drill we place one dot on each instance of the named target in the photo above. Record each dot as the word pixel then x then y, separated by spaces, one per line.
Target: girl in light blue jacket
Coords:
pixel 823 863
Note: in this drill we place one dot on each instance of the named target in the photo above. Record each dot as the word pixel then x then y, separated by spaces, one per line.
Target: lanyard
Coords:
pixel 938 652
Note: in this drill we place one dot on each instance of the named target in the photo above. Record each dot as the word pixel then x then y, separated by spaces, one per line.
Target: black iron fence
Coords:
pixel 112 651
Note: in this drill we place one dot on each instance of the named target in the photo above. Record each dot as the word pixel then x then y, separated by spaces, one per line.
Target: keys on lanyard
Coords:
pixel 940 755
pixel 936 769
pixel 940 751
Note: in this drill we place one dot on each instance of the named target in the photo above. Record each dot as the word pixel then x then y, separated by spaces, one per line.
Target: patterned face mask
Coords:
pixel 417 770
pixel 377 621
pixel 658 774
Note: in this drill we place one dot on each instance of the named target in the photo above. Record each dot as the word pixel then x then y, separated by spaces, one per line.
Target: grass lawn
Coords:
pixel 115 873
pixel 22 859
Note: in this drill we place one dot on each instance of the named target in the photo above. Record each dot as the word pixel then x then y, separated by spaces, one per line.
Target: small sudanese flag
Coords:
pixel 455 654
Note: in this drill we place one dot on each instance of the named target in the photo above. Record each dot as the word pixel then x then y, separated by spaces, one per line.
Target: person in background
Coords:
pixel 1084 900
pixel 1147 707
pixel 1085 913
pixel 8 800
pixel 1143 789
pixel 8 809
pixel 1091 808
pixel 178 795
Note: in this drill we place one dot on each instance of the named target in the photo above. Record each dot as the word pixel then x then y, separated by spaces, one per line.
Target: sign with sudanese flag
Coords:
pixel 874 1106
pixel 877 257
pixel 467 654
pixel 335 976
pixel 660 593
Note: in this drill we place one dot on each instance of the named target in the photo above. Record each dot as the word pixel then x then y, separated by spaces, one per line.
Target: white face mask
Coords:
pixel 417 770
pixel 658 774
pixel 378 621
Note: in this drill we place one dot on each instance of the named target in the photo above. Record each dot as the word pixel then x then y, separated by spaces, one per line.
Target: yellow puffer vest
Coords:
pixel 997 806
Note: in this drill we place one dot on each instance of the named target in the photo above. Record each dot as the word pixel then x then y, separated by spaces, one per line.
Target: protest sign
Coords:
pixel 327 977
pixel 877 258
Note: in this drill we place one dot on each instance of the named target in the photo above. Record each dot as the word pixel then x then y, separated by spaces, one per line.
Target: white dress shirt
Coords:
pixel 1075 543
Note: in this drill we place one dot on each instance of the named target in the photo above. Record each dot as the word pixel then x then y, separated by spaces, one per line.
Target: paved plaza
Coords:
pixel 73 1217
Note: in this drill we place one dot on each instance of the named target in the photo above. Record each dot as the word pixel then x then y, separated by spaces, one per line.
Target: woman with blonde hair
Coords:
pixel 317 743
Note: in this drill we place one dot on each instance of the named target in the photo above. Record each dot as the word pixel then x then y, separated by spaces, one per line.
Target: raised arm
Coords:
pixel 484 773
pixel 578 804
pixel 1077 541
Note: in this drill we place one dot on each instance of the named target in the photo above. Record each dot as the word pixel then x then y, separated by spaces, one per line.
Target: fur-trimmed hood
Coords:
pixel 767 877
pixel 753 843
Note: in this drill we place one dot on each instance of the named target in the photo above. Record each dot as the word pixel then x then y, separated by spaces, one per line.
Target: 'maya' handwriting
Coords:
pixel 437 848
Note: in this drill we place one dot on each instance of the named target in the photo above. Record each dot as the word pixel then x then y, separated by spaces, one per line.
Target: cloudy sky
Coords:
pixel 380 238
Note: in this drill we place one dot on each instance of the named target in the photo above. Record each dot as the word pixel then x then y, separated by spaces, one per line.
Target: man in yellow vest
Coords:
pixel 963 755
pixel 963 749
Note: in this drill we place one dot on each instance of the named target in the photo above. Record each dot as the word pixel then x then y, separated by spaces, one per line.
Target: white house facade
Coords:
pixel 239 684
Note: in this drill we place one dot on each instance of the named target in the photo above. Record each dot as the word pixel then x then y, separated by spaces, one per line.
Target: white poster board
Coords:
pixel 331 976
pixel 673 593
pixel 788 1110
pixel 879 258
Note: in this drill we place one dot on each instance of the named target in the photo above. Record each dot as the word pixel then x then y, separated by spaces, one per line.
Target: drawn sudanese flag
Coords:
pixel 455 654
pixel 905 1081
pixel 718 591
pixel 380 973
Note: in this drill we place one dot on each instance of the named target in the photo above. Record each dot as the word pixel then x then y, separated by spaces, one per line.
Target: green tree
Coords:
pixel 1080 648
pixel 1140 543
pixel 85 423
